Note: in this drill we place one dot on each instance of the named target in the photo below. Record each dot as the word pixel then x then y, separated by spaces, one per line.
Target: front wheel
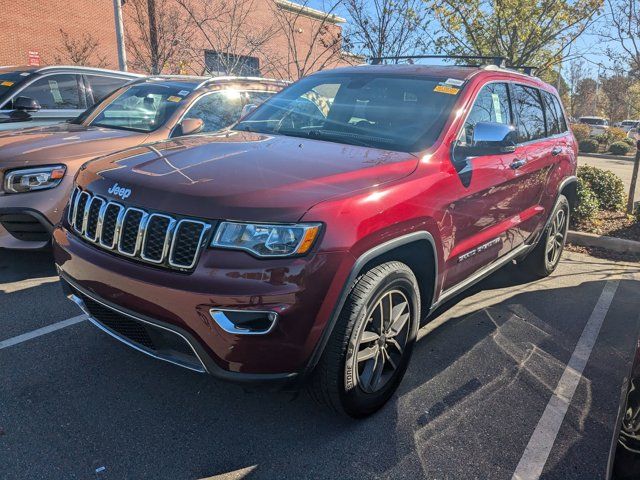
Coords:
pixel 370 346
pixel 544 258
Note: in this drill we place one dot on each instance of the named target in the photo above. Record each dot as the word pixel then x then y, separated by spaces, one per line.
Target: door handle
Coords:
pixel 517 164
pixel 556 151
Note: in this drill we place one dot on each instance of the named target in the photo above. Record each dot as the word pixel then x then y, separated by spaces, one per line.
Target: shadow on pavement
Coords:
pixel 17 265
pixel 475 389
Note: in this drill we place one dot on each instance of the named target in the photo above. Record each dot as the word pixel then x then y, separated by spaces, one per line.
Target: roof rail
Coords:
pixel 495 60
pixel 240 78
pixel 92 69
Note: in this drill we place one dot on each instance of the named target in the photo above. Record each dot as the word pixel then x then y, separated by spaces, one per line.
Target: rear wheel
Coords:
pixel 370 346
pixel 544 258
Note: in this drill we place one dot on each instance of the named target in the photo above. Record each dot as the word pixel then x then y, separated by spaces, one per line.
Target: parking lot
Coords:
pixel 484 397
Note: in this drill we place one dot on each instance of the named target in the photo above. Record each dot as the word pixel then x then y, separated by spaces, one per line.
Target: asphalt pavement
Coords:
pixel 510 380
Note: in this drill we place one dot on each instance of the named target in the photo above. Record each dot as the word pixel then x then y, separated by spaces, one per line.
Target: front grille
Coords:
pixel 121 324
pixel 150 237
pixel 160 342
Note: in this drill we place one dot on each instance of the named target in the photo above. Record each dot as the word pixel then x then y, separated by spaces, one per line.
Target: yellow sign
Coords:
pixel 6 84
pixel 173 98
pixel 446 89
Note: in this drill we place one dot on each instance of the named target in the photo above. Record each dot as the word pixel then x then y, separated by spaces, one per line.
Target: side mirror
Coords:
pixel 189 126
pixel 247 109
pixel 26 104
pixel 492 138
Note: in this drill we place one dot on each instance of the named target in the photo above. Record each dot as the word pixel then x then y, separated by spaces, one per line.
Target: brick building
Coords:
pixel 295 39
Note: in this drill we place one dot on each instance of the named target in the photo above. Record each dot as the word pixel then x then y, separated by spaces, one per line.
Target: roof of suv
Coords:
pixel 66 68
pixel 458 72
pixel 194 82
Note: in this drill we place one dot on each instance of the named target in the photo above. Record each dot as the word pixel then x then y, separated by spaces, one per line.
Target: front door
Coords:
pixel 484 214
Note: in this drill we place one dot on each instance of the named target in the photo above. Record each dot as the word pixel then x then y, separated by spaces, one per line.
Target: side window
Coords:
pixel 491 105
pixel 55 92
pixel 217 110
pixel 103 86
pixel 528 109
pixel 552 114
pixel 562 122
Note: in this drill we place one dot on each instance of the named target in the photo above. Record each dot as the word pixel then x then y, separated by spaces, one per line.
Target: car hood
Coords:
pixel 61 143
pixel 242 176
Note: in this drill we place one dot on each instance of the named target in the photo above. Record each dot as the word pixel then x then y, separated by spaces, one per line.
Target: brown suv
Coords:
pixel 37 165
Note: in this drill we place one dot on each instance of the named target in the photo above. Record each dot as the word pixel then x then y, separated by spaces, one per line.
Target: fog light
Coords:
pixel 244 322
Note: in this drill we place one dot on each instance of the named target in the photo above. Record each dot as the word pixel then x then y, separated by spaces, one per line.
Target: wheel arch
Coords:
pixel 416 249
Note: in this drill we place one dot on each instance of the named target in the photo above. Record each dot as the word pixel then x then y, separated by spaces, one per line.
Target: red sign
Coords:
pixel 33 59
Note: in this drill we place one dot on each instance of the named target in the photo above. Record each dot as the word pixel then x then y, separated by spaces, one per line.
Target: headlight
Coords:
pixel 30 179
pixel 265 240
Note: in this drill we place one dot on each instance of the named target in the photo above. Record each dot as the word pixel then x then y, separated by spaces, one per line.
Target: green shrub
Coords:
pixel 630 141
pixel 587 205
pixel 637 213
pixel 615 134
pixel 580 131
pixel 606 185
pixel 602 139
pixel 589 145
pixel 619 148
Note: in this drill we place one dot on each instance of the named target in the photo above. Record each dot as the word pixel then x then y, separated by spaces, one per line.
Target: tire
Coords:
pixel 348 377
pixel 544 258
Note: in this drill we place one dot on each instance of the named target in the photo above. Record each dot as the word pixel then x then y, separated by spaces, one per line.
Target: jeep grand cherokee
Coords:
pixel 308 241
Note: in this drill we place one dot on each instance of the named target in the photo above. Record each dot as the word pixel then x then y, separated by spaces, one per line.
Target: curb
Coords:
pixel 631 158
pixel 620 245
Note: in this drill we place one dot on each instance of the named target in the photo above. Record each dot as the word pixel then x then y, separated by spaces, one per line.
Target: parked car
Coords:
pixel 37 165
pixel 34 96
pixel 628 125
pixel 598 125
pixel 307 242
pixel 624 463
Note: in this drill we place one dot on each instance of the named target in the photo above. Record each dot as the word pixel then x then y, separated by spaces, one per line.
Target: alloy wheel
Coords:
pixel 555 239
pixel 382 341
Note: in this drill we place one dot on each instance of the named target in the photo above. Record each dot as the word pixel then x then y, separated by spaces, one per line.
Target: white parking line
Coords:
pixel 41 331
pixel 537 452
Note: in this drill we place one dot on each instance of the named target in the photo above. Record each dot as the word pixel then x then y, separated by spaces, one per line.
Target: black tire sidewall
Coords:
pixel 563 204
pixel 355 401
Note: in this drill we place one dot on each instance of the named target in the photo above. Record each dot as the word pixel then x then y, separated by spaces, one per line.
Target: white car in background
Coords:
pixel 628 125
pixel 598 125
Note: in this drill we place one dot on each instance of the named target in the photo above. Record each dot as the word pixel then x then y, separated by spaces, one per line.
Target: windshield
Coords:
pixel 390 112
pixel 593 121
pixel 142 108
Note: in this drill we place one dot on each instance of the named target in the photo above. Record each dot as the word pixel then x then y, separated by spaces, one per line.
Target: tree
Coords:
pixel 312 43
pixel 224 29
pixel 525 32
pixel 586 100
pixel 615 90
pixel 387 27
pixel 576 74
pixel 80 51
pixel 157 36
pixel 623 30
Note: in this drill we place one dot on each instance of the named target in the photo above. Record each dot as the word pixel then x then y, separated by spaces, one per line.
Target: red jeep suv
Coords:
pixel 308 241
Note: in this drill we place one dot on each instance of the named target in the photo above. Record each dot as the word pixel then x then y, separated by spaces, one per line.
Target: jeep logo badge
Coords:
pixel 118 191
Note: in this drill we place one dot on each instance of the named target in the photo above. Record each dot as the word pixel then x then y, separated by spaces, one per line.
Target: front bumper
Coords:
pixel 27 219
pixel 301 291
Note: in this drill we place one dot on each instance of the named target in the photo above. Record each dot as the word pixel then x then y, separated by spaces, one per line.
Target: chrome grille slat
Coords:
pixel 155 238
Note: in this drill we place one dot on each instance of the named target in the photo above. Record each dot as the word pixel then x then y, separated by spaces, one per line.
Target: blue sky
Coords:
pixel 590 45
